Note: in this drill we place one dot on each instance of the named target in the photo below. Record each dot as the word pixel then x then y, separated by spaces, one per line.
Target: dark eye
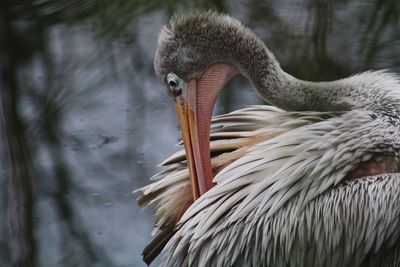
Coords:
pixel 172 80
pixel 173 83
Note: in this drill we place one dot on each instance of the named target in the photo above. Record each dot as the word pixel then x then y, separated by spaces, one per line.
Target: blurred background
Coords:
pixel 84 121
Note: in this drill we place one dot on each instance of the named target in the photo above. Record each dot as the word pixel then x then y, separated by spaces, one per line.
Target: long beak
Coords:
pixel 194 109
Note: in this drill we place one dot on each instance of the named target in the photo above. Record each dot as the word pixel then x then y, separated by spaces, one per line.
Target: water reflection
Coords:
pixel 84 120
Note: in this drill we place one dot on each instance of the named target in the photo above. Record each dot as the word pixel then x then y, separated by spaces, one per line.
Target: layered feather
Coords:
pixel 231 137
pixel 288 177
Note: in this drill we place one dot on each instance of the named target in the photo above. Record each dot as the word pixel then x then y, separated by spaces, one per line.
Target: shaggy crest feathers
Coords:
pixel 193 42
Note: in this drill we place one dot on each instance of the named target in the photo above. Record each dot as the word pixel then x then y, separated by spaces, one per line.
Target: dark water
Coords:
pixel 84 121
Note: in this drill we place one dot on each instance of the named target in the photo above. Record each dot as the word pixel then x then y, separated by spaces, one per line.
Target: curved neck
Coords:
pixel 196 41
pixel 367 91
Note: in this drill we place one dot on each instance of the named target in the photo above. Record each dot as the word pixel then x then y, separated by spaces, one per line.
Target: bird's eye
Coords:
pixel 174 85
pixel 172 80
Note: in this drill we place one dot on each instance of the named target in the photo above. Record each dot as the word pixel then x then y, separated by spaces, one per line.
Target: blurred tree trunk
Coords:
pixel 17 163
pixel 16 157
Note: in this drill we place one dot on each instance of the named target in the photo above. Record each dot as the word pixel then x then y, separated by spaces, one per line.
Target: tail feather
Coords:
pixel 154 248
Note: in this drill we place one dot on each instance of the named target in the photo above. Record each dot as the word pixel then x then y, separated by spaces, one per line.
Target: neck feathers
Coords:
pixel 195 41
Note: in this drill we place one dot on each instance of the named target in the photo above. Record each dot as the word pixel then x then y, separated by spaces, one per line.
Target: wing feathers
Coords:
pixel 237 141
pixel 299 163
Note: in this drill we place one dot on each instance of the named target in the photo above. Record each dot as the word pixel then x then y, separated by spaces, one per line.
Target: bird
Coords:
pixel 311 179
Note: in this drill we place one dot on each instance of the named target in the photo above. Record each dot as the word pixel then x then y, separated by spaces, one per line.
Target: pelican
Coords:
pixel 310 180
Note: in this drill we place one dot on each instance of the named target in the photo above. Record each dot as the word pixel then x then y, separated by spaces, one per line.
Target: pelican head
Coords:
pixel 197 54
pixel 190 44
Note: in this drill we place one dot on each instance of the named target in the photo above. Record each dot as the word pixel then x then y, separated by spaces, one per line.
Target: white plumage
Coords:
pixel 312 188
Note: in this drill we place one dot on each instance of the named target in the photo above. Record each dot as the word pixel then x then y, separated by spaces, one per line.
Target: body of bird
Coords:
pixel 313 181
